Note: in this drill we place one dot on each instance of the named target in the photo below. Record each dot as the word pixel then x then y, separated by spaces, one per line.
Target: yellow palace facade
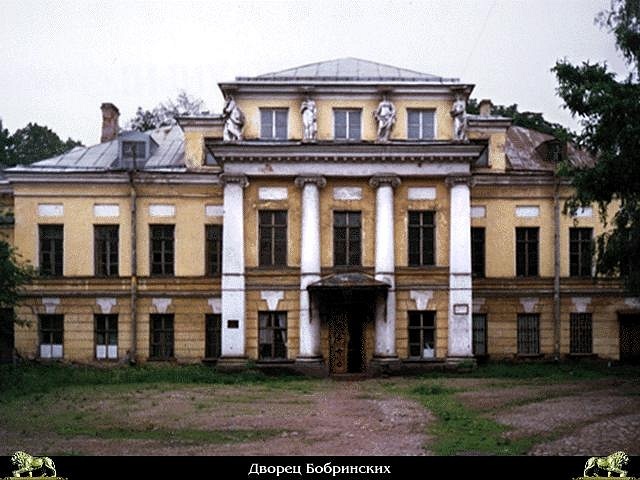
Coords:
pixel 339 217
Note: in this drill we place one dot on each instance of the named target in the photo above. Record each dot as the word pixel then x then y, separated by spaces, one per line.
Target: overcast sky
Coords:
pixel 60 60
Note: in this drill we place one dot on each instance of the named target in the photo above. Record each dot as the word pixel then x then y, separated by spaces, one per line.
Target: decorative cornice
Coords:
pixel 318 180
pixel 454 180
pixel 240 179
pixel 379 180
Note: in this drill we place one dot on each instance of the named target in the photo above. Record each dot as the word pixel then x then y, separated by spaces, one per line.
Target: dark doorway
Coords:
pixel 6 336
pixel 630 338
pixel 347 346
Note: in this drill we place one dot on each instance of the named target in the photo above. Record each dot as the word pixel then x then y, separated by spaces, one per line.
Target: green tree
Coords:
pixel 14 275
pixel 609 111
pixel 30 144
pixel 165 113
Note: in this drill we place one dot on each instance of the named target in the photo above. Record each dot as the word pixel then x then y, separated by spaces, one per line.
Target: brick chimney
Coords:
pixel 485 107
pixel 110 127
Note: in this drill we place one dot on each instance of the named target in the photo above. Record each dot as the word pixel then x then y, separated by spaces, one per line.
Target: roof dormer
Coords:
pixel 135 147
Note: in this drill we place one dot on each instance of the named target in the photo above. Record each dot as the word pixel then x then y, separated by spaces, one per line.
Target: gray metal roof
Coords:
pixel 348 69
pixel 521 148
pixel 104 156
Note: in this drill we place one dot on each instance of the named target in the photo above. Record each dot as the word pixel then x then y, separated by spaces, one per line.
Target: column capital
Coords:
pixel 318 180
pixel 382 179
pixel 238 178
pixel 453 180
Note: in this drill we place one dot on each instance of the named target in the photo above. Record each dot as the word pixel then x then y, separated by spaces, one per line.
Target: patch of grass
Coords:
pixel 40 379
pixel 461 430
pixel 184 436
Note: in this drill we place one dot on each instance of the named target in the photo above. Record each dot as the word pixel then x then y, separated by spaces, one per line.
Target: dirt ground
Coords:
pixel 331 418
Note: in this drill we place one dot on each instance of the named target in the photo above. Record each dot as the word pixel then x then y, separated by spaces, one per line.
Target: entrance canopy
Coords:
pixel 348 280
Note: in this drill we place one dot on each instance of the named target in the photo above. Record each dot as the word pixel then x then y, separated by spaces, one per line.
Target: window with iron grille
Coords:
pixel 106 250
pixel 581 333
pixel 51 250
pixel 422 231
pixel 213 250
pixel 477 252
pixel 479 334
pixel 273 335
pixel 528 333
pixel 580 252
pixel 422 334
pixel 347 237
pixel 346 124
pixel 161 336
pixel 51 336
pixel 106 337
pixel 272 231
pixel 162 245
pixel 527 252
pixel 213 335
pixel 273 123
pixel 420 124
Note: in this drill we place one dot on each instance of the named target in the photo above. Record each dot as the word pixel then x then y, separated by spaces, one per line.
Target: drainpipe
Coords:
pixel 134 261
pixel 556 267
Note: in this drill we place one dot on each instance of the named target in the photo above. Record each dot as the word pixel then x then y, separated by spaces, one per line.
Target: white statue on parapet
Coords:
pixel 233 121
pixel 459 114
pixel 385 115
pixel 309 120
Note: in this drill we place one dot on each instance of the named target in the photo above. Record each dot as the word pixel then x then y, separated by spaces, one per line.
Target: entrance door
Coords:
pixel 346 341
pixel 630 338
pixel 338 342
pixel 6 336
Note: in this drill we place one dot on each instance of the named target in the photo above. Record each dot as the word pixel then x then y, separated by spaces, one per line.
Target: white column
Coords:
pixel 309 266
pixel 460 294
pixel 385 265
pixel 233 290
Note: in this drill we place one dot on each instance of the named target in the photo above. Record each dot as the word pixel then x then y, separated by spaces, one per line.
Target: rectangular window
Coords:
pixel 272 232
pixel 479 334
pixel 346 124
pixel 106 337
pixel 273 335
pixel 527 252
pixel 422 231
pixel 213 250
pixel 528 334
pixel 346 238
pixel 51 335
pixel 106 250
pixel 137 148
pixel 422 334
pixel 51 250
pixel 162 244
pixel 273 123
pixel 580 251
pixel 161 336
pixel 420 124
pixel 477 252
pixel 581 333
pixel 213 335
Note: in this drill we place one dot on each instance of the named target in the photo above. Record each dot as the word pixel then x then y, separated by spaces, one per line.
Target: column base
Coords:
pixel 232 364
pixel 312 366
pixel 462 364
pixel 385 365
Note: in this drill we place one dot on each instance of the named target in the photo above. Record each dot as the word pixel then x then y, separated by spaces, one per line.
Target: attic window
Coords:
pixel 140 149
pixel 554 151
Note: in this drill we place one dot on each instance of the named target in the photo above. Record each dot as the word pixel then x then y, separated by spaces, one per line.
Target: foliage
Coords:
pixel 532 120
pixel 165 113
pixel 13 276
pixel 609 112
pixel 31 144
